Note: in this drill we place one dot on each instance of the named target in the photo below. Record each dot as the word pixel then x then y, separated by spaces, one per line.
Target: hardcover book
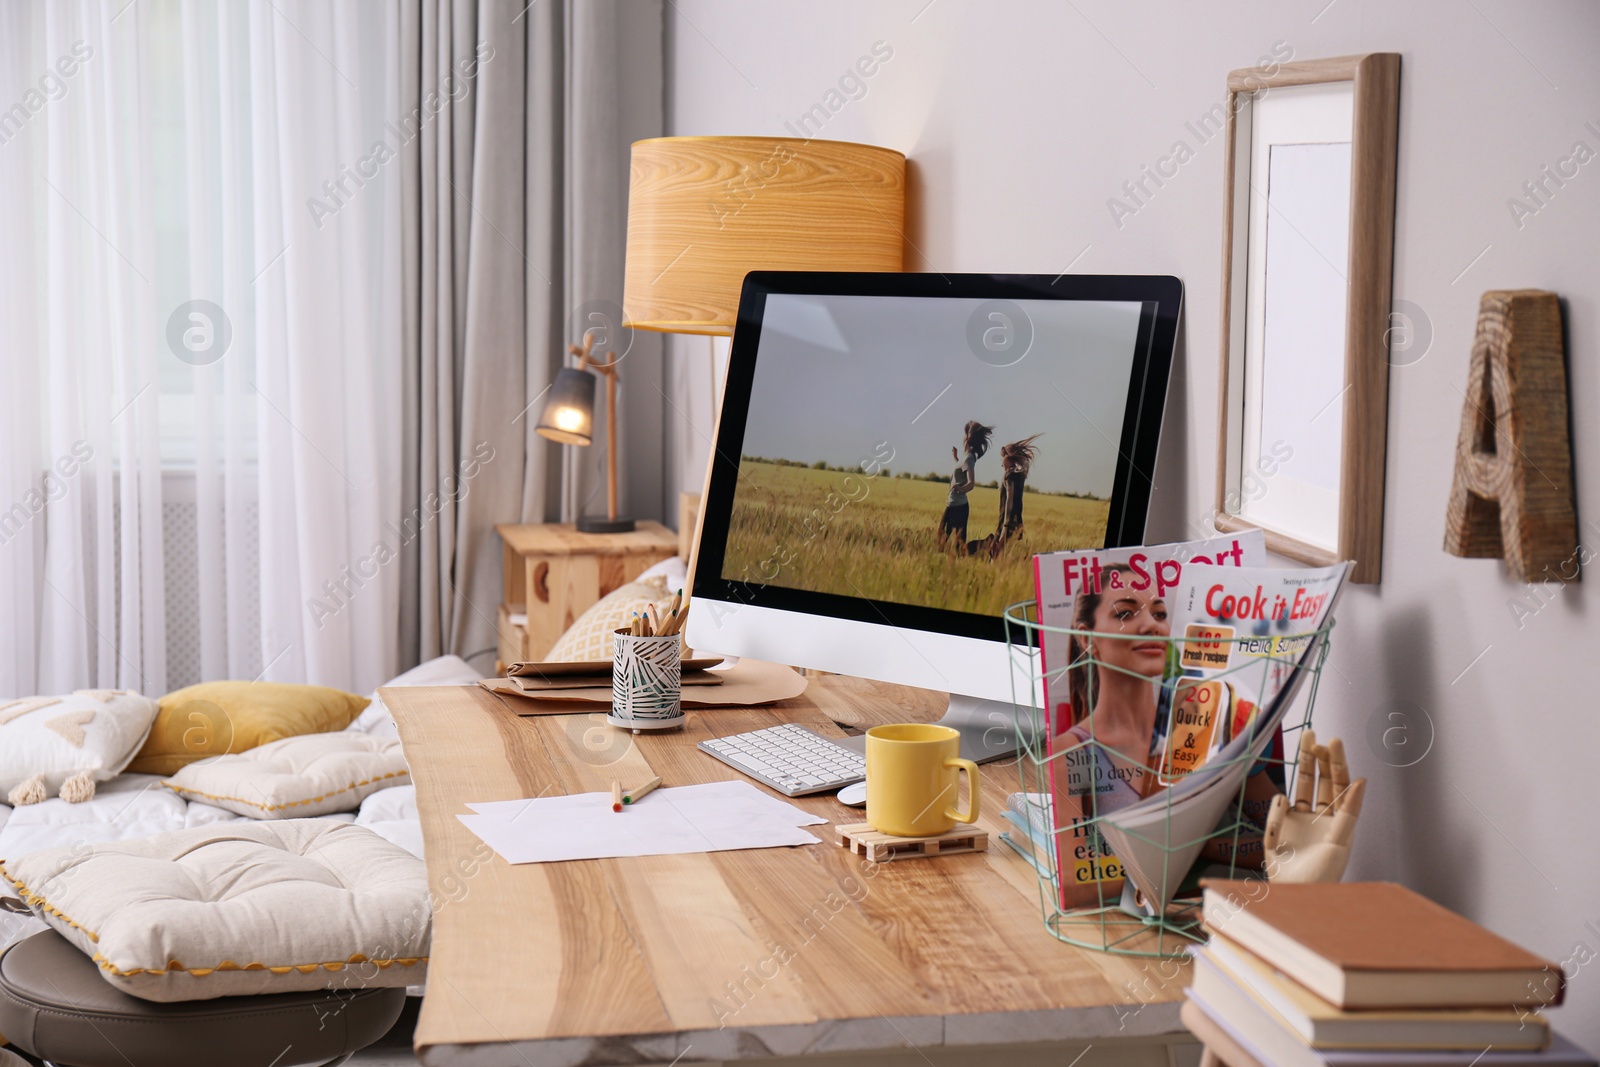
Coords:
pixel 1379 945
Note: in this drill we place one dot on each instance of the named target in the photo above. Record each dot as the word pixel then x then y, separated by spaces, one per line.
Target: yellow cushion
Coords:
pixel 589 638
pixel 216 718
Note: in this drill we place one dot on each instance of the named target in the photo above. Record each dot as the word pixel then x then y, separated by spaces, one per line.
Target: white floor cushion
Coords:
pixel 444 670
pixel 314 774
pixel 239 909
pixel 392 815
pixel 128 807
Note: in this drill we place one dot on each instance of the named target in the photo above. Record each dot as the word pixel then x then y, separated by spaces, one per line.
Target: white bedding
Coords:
pixel 137 805
pixel 446 670
pixel 392 815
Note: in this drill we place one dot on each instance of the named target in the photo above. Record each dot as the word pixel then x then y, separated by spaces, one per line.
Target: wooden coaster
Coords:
pixel 861 838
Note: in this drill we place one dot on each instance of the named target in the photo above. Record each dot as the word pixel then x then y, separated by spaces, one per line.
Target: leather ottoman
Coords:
pixel 55 1005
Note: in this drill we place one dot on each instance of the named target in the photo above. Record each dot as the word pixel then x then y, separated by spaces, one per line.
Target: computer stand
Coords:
pixel 988 728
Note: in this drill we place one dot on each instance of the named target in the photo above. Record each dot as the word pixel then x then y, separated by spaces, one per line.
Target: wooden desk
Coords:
pixel 1221 1050
pixel 737 955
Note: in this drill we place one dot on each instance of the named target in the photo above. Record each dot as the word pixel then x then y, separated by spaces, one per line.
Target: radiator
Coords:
pixel 180 551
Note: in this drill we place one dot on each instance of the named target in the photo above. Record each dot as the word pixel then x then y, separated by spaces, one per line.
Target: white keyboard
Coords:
pixel 790 759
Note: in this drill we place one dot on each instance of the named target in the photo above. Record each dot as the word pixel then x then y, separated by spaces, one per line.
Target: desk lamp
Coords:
pixel 568 417
pixel 705 211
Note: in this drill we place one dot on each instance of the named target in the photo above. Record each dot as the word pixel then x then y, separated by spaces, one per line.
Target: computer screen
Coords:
pixel 877 412
pixel 895 448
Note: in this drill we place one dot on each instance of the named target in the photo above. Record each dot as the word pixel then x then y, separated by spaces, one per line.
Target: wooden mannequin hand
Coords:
pixel 1310 840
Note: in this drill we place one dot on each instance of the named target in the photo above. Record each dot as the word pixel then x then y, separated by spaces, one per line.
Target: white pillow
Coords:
pixel 239 909
pixel 674 571
pixel 442 670
pixel 297 777
pixel 93 732
pixel 392 815
pixel 589 638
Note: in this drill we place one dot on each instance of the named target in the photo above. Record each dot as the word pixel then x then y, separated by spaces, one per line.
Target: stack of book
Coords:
pixel 1030 834
pixel 1368 973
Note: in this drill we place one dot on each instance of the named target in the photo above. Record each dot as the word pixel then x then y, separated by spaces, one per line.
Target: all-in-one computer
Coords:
pixel 894 448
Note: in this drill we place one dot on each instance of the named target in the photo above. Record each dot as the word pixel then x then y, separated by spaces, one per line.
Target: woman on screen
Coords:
pixel 1016 460
pixel 953 524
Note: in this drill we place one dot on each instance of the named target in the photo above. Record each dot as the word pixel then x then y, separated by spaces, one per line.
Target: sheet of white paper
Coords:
pixel 686 819
pixel 741 794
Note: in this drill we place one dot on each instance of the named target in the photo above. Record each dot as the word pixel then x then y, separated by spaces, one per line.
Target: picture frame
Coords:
pixel 1307 268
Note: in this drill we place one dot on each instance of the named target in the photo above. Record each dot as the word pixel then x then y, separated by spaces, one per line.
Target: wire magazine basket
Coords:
pixel 1128 883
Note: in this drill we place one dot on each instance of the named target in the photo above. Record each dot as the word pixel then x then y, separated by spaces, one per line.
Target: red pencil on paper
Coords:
pixel 616 795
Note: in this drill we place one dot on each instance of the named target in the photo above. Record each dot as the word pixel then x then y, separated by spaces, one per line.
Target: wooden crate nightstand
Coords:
pixel 556 574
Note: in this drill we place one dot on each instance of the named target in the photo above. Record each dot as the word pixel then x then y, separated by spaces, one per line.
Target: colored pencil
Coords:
pixel 634 795
pixel 675 624
pixel 616 795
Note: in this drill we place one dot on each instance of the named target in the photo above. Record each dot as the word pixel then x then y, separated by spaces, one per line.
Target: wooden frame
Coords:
pixel 1373 149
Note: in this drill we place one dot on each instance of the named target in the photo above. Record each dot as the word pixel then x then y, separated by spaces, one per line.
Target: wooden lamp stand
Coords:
pixel 608 372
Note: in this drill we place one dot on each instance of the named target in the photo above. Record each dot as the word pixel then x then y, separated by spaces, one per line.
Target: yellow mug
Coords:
pixel 911 780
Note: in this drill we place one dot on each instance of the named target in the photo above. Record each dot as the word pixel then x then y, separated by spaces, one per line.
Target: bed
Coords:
pixel 133 806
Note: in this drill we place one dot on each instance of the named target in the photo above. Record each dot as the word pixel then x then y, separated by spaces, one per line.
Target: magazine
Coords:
pixel 1281 613
pixel 1231 619
pixel 1141 807
pixel 1199 718
pixel 1091 778
pixel 1060 578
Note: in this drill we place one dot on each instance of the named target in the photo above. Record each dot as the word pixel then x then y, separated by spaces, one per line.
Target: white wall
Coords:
pixel 1021 120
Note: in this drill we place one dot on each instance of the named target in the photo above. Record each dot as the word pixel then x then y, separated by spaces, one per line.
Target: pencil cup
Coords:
pixel 646 682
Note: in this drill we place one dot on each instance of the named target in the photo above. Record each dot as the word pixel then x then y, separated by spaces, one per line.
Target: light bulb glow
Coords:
pixel 569 419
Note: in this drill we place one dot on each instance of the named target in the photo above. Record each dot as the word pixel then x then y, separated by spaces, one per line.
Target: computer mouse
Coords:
pixel 854 795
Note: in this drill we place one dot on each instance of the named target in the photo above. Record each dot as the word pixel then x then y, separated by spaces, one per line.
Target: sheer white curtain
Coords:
pixel 174 175
pixel 323 280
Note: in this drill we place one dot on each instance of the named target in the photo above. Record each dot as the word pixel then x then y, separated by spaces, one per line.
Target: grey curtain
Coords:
pixel 515 205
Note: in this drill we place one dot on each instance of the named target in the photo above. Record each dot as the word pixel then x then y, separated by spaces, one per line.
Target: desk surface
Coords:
pixel 729 955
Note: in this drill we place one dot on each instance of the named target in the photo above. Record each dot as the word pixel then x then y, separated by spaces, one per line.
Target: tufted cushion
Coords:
pixel 590 638
pixel 237 909
pixel 94 731
pixel 297 777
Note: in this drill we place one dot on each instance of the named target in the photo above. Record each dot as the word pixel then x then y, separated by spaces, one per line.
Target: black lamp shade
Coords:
pixel 569 413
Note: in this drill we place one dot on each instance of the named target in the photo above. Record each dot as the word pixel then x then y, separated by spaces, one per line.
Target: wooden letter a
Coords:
pixel 1512 497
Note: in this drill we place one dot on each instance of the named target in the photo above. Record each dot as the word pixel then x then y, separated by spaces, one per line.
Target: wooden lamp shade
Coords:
pixel 704 211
